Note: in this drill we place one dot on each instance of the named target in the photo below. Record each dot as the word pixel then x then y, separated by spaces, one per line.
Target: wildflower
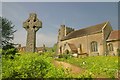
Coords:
pixel 84 63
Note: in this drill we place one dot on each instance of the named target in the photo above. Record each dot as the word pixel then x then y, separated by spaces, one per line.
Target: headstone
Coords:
pixel 32 25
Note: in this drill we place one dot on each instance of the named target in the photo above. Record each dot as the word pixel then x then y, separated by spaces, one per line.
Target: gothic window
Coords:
pixel 110 47
pixel 94 46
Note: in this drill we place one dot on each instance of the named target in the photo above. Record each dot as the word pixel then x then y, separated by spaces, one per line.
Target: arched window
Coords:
pixel 110 47
pixel 94 46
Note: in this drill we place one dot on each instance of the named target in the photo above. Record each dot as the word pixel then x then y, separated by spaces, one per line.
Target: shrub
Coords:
pixel 30 65
pixel 10 53
pixel 66 56
pixel 9 46
pixel 9 49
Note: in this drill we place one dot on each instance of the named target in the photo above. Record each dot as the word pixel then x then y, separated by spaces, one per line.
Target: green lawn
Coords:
pixel 99 66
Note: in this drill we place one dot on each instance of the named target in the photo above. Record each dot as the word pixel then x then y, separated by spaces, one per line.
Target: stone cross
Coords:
pixel 32 25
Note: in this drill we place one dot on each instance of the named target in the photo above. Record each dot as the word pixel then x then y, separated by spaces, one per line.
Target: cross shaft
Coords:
pixel 32 25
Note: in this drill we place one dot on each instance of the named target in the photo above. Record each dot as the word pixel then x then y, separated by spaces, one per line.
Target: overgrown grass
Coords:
pixel 34 65
pixel 98 66
pixel 31 65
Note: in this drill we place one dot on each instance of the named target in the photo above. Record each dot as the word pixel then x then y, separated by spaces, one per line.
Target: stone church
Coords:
pixel 95 40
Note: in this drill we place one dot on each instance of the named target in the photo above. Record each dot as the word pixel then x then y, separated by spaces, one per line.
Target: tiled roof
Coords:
pixel 85 31
pixel 72 47
pixel 114 35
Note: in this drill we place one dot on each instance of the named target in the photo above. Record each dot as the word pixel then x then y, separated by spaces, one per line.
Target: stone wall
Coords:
pixel 99 37
pixel 63 31
pixel 116 45
pixel 85 42
pixel 106 32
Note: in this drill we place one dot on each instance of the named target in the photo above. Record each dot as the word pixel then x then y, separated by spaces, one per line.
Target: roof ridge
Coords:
pixel 89 27
pixel 93 25
pixel 84 31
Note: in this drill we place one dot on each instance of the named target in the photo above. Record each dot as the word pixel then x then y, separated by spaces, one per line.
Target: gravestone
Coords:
pixel 32 25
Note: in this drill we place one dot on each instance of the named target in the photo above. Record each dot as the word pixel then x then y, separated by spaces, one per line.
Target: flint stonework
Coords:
pixel 32 25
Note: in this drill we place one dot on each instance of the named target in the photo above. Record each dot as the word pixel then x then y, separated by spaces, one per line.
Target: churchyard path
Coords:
pixel 74 69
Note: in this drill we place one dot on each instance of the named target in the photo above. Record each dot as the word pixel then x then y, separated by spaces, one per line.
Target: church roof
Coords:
pixel 85 31
pixel 72 47
pixel 114 35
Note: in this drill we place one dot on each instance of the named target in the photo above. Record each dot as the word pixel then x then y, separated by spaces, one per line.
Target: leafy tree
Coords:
pixel 7 31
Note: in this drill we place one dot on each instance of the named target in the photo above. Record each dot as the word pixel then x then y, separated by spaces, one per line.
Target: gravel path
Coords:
pixel 74 69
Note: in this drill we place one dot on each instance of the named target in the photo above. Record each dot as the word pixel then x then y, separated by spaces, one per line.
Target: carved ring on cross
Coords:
pixel 32 23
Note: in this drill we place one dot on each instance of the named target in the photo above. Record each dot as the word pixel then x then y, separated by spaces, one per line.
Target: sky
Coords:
pixel 52 14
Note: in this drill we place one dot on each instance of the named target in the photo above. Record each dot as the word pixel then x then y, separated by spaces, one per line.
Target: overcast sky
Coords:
pixel 76 15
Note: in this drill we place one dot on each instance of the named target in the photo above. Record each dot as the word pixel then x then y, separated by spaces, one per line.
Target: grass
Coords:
pixel 98 66
pixel 31 65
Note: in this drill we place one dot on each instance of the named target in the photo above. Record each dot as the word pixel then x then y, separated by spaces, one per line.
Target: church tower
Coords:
pixel 64 31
